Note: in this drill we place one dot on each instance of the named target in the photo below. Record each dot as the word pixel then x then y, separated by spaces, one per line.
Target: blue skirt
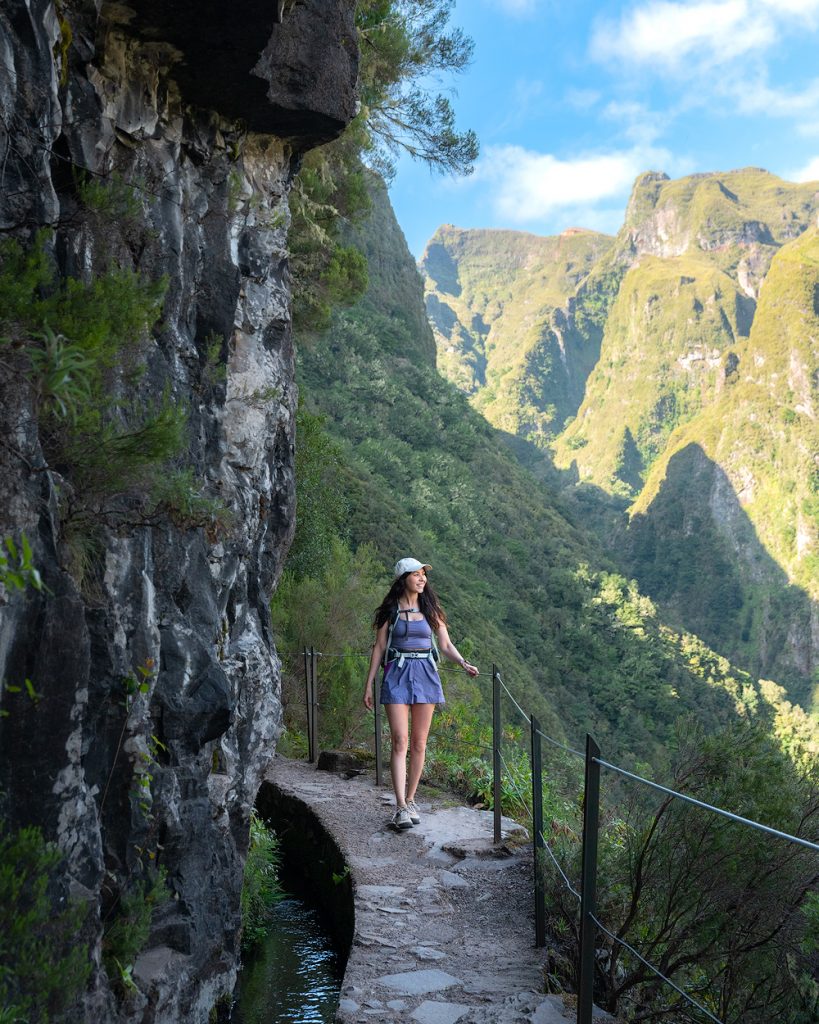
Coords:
pixel 416 682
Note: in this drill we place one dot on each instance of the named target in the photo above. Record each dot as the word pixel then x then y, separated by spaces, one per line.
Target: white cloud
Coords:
pixel 810 172
pixel 803 8
pixel 716 48
pixel 670 35
pixel 531 187
pixel 638 124
pixel 683 36
pixel 757 97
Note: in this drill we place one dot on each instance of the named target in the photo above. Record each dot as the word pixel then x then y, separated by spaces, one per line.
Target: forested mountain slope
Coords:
pixel 499 303
pixel 423 473
pixel 700 412
pixel 736 490
pixel 694 254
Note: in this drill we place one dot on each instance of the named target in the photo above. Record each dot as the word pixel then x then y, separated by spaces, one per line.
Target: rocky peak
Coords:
pixel 732 214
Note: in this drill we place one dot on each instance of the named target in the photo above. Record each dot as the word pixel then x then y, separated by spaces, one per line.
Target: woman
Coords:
pixel 405 622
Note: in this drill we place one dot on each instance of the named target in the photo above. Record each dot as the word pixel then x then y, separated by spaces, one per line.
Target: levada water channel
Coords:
pixel 294 976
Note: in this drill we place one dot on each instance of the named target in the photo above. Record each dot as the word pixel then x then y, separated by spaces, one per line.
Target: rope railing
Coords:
pixel 504 772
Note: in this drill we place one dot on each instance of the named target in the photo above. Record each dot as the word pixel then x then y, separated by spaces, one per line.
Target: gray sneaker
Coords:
pixel 401 819
pixel 414 813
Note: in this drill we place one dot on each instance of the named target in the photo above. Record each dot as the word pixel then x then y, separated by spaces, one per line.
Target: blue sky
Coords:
pixel 572 100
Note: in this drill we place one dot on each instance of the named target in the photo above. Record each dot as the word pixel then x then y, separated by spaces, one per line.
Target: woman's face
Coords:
pixel 415 581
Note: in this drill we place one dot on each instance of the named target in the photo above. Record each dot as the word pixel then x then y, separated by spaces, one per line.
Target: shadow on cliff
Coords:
pixel 696 552
pixel 714 579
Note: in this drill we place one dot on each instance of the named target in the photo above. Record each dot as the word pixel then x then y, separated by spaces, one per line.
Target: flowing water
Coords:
pixel 294 976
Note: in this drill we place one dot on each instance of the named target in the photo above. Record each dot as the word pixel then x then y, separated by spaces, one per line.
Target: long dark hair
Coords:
pixel 428 603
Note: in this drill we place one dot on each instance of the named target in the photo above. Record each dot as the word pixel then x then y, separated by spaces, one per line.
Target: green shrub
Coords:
pixel 17 569
pixel 128 925
pixel 75 342
pixel 260 888
pixel 112 198
pixel 81 346
pixel 43 962
pixel 179 494
pixel 703 898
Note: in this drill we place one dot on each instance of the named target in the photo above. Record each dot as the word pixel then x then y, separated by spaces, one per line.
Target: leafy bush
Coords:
pixel 331 611
pixel 82 346
pixel 110 198
pixel 127 925
pixel 712 904
pixel 43 960
pixel 76 342
pixel 179 495
pixel 260 889
pixel 17 569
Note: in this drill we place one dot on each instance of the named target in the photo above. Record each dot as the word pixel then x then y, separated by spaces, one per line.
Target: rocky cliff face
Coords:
pixel 155 669
pixel 701 411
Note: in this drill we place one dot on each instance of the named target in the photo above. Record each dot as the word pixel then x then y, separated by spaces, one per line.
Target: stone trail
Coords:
pixel 444 927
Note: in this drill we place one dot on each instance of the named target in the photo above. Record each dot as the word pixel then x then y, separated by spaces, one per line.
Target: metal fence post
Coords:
pixel 377 716
pixel 588 907
pixel 308 703
pixel 313 744
pixel 537 838
pixel 497 789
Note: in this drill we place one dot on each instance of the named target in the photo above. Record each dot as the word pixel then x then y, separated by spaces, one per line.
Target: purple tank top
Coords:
pixel 412 635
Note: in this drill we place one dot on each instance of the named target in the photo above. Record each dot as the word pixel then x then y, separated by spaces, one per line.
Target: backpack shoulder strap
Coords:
pixel 436 654
pixel 393 619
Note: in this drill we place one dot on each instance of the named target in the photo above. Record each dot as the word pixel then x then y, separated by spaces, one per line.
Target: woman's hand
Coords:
pixel 471 670
pixel 376 657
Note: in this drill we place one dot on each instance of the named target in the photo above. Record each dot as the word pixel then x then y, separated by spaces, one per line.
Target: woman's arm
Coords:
pixel 375 661
pixel 448 649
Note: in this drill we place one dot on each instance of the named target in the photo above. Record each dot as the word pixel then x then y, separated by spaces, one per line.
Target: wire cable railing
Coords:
pixel 710 807
pixel 526 718
pixel 507 775
pixel 560 870
pixel 686 996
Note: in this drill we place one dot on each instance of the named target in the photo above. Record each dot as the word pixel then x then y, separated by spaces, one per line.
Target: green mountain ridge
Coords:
pixel 524 586
pixel 696 252
pixel 500 306
pixel 759 497
pixel 700 411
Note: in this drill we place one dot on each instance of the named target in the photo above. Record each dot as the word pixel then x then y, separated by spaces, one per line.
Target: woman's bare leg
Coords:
pixel 398 717
pixel 421 721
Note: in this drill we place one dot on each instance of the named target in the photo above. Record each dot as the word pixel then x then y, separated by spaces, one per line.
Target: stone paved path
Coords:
pixel 444 927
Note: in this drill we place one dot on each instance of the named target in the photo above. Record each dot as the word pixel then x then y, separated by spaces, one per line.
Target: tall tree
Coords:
pixel 406 47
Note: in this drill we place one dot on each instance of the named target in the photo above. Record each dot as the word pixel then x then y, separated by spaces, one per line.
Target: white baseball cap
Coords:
pixel 409 565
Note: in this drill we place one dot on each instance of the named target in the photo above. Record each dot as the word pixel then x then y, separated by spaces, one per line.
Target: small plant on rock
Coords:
pixel 260 890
